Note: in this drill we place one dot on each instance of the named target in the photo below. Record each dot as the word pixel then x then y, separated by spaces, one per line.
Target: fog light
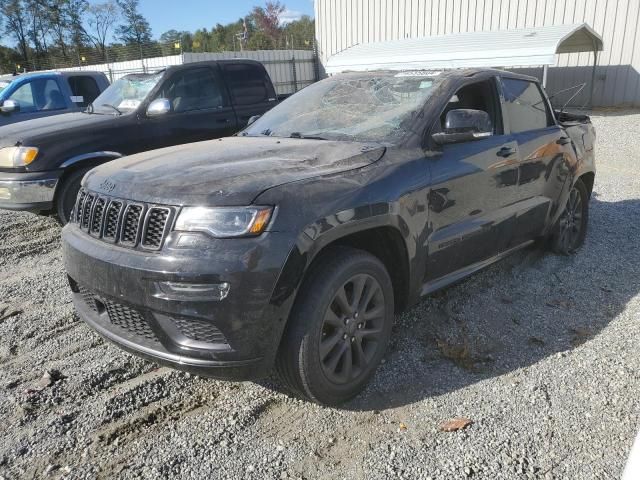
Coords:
pixel 5 194
pixel 195 292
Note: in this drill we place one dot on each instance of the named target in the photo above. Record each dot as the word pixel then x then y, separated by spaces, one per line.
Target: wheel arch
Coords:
pixel 384 242
pixel 588 178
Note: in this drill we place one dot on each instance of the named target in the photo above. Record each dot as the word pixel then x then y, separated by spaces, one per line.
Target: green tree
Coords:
pixel 16 25
pixel 135 28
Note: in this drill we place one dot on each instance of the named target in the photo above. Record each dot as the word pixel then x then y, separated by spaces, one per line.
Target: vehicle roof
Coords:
pixel 68 73
pixel 448 73
pixel 215 62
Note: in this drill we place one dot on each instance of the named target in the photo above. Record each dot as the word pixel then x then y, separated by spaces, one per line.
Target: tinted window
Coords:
pixel 476 96
pixel 248 84
pixel 195 89
pixel 526 108
pixel 84 89
pixel 40 94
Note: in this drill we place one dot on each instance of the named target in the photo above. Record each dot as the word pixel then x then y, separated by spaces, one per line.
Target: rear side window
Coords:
pixel 525 106
pixel 248 84
pixel 193 89
pixel 84 90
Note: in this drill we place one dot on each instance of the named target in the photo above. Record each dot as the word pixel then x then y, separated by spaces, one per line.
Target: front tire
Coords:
pixel 571 228
pixel 339 327
pixel 67 194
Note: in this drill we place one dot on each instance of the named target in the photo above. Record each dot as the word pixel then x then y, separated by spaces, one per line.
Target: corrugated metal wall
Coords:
pixel 343 23
pixel 290 70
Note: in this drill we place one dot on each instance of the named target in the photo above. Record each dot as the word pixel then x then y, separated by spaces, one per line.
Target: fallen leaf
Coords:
pixel 49 378
pixel 455 424
pixel 403 427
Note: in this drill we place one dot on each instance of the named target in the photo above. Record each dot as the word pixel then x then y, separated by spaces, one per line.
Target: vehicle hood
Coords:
pixel 229 171
pixel 35 132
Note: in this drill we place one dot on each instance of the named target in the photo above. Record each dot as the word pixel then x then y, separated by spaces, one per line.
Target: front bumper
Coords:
pixel 115 291
pixel 33 191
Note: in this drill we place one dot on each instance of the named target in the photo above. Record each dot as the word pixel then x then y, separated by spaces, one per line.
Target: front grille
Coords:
pixel 128 224
pixel 86 211
pixel 155 228
pixel 97 217
pixel 199 331
pixel 131 225
pixel 111 221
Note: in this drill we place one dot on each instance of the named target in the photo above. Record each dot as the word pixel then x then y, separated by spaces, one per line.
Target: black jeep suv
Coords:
pixel 294 243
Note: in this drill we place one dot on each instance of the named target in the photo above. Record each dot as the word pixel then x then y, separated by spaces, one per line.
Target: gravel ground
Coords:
pixel 539 351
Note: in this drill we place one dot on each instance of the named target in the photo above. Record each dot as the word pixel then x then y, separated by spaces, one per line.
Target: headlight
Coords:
pixel 17 156
pixel 224 222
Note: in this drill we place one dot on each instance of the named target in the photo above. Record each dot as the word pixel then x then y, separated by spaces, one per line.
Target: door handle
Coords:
pixel 505 152
pixel 223 120
pixel 563 140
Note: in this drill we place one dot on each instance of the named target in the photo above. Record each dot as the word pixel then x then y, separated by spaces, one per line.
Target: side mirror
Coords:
pixel 253 119
pixel 464 125
pixel 160 106
pixel 10 106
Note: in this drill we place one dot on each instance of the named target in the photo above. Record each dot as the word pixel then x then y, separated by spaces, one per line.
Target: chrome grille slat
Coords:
pixel 155 227
pixel 87 208
pixel 112 221
pixel 130 229
pixel 77 209
pixel 97 216
pixel 127 224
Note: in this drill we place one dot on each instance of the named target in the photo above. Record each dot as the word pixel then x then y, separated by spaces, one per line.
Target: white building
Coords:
pixel 341 24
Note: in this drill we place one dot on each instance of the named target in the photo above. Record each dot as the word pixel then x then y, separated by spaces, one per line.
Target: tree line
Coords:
pixel 64 33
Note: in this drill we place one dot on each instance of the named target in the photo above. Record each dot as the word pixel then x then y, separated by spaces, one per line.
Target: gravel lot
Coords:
pixel 539 351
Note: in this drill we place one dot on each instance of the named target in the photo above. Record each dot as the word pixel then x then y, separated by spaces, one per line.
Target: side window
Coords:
pixel 525 105
pixel 477 96
pixel 248 84
pixel 38 95
pixel 51 97
pixel 84 90
pixel 24 96
pixel 194 89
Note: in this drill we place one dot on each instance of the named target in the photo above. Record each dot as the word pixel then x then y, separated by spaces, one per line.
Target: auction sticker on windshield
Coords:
pixel 129 104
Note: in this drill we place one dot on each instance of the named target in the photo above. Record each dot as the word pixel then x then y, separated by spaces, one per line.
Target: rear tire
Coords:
pixel 571 229
pixel 339 327
pixel 67 194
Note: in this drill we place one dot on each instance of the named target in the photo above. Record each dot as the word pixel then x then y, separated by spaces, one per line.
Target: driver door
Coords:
pixel 200 109
pixel 474 188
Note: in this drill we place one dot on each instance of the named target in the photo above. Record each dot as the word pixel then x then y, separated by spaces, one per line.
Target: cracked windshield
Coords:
pixel 378 108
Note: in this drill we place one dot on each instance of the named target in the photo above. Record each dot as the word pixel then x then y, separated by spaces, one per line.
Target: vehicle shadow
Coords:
pixel 531 306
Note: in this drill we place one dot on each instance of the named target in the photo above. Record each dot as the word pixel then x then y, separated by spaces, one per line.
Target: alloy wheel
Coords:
pixel 353 329
pixel 570 223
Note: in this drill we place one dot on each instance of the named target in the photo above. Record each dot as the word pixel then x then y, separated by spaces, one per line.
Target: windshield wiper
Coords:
pixel 306 137
pixel 111 106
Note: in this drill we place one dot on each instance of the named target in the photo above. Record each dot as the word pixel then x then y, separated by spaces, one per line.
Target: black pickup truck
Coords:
pixel 294 243
pixel 42 161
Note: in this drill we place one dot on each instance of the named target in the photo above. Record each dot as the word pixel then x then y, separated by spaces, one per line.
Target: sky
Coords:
pixel 190 15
